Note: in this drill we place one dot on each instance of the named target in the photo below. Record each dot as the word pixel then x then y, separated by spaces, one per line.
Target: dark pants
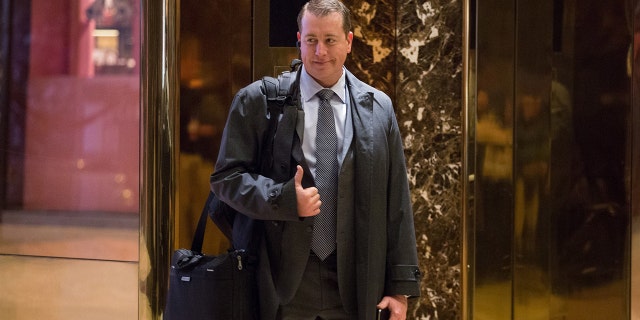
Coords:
pixel 318 297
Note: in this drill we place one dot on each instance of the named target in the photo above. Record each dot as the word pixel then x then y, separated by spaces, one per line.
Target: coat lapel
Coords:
pixel 362 122
pixel 355 192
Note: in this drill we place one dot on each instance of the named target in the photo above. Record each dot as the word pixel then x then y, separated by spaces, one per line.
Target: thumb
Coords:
pixel 297 179
pixel 384 303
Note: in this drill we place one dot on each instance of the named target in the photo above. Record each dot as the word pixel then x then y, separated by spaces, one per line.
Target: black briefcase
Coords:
pixel 219 287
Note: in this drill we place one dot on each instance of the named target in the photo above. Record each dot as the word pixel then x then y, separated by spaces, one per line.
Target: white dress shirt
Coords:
pixel 310 104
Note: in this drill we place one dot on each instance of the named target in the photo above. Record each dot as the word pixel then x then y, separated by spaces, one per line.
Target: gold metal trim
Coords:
pixel 466 283
pixel 159 152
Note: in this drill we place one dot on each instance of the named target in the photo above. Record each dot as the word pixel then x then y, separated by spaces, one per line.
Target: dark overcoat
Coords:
pixel 376 246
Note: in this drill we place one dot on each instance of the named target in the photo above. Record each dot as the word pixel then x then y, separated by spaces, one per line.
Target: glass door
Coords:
pixel 69 157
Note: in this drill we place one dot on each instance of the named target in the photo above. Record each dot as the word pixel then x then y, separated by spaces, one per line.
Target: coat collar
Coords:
pixel 359 92
pixel 362 116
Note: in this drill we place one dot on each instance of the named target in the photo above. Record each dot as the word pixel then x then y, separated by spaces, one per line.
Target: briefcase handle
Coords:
pixel 198 237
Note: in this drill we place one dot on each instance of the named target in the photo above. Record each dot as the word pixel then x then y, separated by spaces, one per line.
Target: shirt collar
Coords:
pixel 309 86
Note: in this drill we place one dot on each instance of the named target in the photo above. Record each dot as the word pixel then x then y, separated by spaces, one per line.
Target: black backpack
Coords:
pixel 282 100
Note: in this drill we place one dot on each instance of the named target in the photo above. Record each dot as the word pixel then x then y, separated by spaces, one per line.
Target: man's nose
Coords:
pixel 321 49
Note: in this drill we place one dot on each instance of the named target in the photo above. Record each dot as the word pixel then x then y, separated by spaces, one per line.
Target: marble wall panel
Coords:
pixel 412 49
pixel 373 53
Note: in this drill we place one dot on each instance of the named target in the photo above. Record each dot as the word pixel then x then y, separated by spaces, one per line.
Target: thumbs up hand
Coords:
pixel 308 198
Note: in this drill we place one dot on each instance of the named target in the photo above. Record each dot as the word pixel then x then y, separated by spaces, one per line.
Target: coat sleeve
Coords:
pixel 236 180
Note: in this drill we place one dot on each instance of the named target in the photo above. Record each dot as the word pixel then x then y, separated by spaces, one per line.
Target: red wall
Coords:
pixel 82 130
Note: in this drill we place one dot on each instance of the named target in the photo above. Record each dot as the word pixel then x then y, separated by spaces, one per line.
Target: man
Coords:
pixel 372 259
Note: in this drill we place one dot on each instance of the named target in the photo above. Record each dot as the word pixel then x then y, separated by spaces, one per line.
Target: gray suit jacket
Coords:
pixel 376 243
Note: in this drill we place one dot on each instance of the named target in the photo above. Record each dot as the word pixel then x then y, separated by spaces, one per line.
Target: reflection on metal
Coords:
pixel 494 71
pixel 552 170
pixel 159 116
pixel 532 162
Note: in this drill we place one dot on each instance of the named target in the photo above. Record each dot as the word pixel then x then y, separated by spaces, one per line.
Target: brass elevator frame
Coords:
pixel 158 153
pixel 467 253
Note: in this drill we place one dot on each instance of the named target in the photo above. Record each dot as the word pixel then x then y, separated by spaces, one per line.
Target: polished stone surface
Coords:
pixel 414 54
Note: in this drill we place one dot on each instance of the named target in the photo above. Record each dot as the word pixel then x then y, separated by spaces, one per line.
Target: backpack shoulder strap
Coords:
pixel 288 83
pixel 281 94
pixel 270 88
pixel 279 150
pixel 283 90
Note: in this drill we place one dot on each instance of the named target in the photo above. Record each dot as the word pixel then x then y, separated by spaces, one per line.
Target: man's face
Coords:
pixel 324 47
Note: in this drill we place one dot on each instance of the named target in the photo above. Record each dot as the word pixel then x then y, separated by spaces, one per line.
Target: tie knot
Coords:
pixel 325 94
